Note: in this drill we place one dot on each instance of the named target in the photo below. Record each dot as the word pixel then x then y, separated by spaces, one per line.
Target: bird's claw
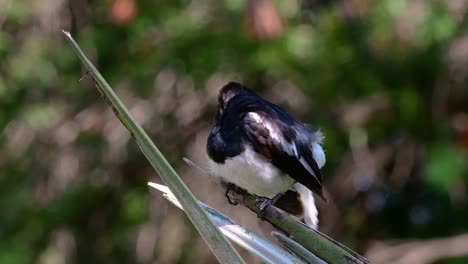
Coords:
pixel 228 193
pixel 262 204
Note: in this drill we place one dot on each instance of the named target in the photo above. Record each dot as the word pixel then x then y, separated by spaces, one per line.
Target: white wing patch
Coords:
pixel 290 148
pixel 255 117
pixel 307 167
pixel 319 154
pixel 319 157
pixel 273 132
pixel 287 147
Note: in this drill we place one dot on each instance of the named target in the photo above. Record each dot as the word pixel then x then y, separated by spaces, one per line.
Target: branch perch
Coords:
pixel 319 244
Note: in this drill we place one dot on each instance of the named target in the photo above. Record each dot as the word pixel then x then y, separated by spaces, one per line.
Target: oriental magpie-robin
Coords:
pixel 257 146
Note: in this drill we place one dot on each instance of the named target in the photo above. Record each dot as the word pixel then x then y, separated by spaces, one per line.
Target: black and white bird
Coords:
pixel 259 147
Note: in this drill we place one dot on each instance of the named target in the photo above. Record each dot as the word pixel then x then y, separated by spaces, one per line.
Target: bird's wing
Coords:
pixel 277 142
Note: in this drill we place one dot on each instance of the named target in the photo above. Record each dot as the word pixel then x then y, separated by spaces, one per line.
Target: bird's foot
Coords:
pixel 230 189
pixel 262 204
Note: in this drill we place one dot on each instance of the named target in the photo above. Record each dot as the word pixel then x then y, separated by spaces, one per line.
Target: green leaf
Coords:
pixel 218 244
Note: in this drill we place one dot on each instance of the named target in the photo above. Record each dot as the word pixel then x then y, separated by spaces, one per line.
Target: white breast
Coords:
pixel 253 173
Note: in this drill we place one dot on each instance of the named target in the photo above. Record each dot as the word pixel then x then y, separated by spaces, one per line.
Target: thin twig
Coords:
pixel 194 165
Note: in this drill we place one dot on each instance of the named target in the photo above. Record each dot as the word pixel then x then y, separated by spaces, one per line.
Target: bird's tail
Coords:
pixel 308 203
pixel 299 202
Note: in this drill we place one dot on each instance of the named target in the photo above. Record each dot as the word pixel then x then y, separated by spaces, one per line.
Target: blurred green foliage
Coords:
pixel 385 80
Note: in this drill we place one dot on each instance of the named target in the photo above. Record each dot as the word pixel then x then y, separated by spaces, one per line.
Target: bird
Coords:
pixel 257 146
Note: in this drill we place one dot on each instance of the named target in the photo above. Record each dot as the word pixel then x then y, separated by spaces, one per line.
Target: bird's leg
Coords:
pixel 263 203
pixel 231 187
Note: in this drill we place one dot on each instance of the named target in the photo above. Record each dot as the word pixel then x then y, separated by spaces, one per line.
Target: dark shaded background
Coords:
pixel 386 81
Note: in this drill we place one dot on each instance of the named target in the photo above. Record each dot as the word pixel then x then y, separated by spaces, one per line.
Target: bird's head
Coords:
pixel 228 92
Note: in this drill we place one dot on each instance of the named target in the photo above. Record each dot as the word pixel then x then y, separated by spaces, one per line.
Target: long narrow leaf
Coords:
pixel 317 243
pixel 324 247
pixel 244 237
pixel 219 245
pixel 297 248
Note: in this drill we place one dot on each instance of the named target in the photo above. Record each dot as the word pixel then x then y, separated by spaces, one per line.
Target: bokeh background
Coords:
pixel 386 81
